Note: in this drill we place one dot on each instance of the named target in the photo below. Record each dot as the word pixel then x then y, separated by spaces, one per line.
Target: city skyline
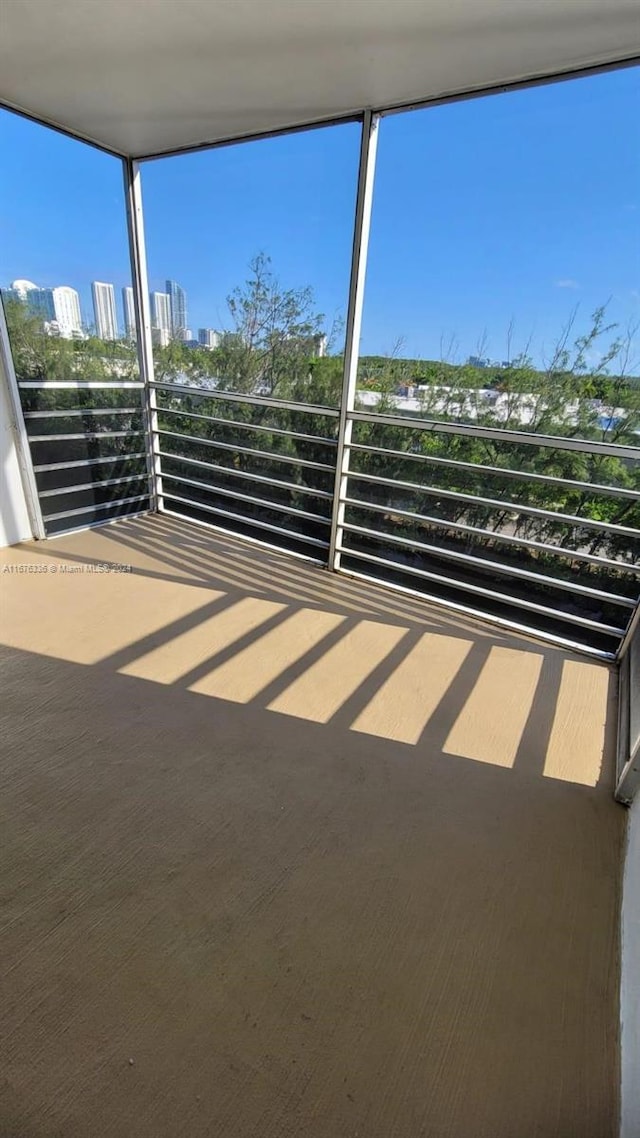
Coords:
pixel 60 304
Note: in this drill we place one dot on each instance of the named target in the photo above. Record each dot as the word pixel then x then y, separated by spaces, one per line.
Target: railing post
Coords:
pixel 19 432
pixel 628 657
pixel 364 201
pixel 633 629
pixel 140 284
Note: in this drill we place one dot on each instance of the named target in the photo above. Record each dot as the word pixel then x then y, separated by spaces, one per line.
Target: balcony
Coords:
pixel 285 850
pixel 321 649
pixel 539 553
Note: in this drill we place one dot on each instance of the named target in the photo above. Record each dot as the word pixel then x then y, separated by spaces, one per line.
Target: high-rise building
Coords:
pixel 104 308
pixel 58 308
pixel 161 310
pixel 208 337
pixel 20 290
pixel 178 307
pixel 66 305
pixel 40 303
pixel 129 313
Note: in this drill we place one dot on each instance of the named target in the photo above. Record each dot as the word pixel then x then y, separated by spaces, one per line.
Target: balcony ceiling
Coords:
pixel 148 76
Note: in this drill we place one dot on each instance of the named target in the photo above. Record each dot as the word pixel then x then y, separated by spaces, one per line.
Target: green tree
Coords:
pixel 272 336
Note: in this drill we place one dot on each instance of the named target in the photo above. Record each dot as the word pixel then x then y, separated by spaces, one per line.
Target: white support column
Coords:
pixel 140 283
pixel 364 201
pixel 628 786
pixel 630 980
pixel 20 441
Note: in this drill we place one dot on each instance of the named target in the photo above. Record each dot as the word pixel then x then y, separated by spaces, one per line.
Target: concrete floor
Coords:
pixel 286 855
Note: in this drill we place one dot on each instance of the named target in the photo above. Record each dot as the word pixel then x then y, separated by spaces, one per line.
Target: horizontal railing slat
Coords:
pixel 497 504
pixel 564 552
pixel 238 397
pixel 279 507
pixel 501 471
pixel 263 427
pixel 85 435
pixel 273 456
pixel 482 562
pixel 478 590
pixel 77 412
pixel 80 385
pixel 79 486
pixel 231 470
pixel 40 468
pixel 528 438
pixel 93 506
pixel 305 538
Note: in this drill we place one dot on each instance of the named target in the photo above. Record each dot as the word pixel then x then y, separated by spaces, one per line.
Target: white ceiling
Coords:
pixel 147 76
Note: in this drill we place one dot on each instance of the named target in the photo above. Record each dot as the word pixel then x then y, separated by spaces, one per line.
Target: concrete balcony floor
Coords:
pixel 286 855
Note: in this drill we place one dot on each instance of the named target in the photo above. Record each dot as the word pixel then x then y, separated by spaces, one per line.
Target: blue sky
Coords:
pixel 514 208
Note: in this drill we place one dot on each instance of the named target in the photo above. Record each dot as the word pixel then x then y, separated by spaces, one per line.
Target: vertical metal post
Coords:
pixel 632 628
pixel 19 432
pixel 364 202
pixel 628 657
pixel 141 303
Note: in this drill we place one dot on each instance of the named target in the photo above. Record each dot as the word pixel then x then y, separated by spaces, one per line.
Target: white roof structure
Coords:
pixel 144 77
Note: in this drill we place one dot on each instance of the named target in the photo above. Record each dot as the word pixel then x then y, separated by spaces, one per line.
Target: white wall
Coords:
pixel 14 518
pixel 630 985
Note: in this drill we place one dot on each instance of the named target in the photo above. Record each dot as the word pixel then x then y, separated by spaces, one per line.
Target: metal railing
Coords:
pixel 540 553
pixel 88 448
pixel 216 447
pixel 463 533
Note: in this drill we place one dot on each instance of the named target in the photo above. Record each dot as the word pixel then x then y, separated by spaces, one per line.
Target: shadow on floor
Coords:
pixel 254 626
pixel 316 868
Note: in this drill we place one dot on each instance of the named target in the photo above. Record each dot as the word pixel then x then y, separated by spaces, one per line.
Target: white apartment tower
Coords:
pixel 66 307
pixel 58 308
pixel 161 318
pixel 104 308
pixel 129 312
